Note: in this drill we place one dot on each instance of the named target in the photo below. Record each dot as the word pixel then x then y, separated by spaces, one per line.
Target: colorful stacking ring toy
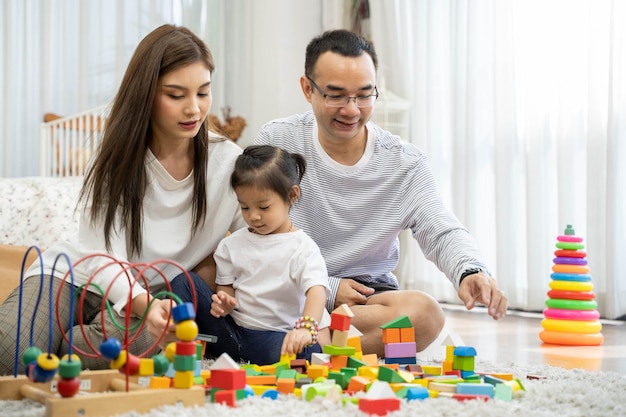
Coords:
pixel 570 253
pixel 572 326
pixel 571 304
pixel 560 314
pixel 571 339
pixel 570 269
pixel 570 277
pixel 572 295
pixel 571 286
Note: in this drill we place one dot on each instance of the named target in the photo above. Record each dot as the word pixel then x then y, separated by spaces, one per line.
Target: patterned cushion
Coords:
pixel 38 210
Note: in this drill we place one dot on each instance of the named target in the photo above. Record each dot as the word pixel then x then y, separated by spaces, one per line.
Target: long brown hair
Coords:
pixel 117 177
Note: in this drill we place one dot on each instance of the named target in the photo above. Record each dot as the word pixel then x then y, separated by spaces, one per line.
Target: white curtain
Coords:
pixel 521 107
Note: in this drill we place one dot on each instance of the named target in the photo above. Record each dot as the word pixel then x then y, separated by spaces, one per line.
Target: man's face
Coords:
pixel 338 75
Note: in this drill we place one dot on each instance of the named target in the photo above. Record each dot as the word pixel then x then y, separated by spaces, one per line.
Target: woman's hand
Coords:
pixel 157 322
pixel 223 303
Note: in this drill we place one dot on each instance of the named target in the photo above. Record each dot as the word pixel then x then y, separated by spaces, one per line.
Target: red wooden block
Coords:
pixel 379 406
pixel 228 379
pixel 340 322
pixel 226 396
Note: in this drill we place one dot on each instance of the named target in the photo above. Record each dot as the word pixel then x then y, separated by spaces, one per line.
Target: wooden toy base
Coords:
pixel 103 393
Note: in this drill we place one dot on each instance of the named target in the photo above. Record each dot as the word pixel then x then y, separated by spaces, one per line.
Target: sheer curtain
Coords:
pixel 521 107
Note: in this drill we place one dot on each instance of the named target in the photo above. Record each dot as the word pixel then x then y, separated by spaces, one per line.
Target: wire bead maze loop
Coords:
pixel 42 367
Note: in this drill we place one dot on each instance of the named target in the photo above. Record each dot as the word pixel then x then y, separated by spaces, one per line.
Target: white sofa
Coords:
pixel 34 211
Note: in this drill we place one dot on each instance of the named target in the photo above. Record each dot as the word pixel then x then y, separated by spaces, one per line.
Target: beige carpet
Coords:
pixel 563 393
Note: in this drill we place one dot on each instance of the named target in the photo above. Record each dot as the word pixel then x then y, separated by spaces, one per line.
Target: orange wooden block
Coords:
pixel 317 371
pixel 285 385
pixel 160 382
pixel 268 369
pixel 407 334
pixel 261 379
pixel 370 359
pixel 339 361
pixel 391 335
pixel 358 383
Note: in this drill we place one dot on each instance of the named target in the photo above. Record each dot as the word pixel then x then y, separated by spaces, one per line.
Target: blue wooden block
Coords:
pixel 475 388
pixel 416 393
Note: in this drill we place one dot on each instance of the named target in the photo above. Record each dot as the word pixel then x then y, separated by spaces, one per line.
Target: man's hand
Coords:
pixel 351 293
pixel 483 289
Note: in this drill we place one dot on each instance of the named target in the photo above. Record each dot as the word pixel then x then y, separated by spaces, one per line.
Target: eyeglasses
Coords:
pixel 340 101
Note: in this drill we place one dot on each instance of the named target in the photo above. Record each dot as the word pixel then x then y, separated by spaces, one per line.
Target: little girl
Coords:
pixel 272 281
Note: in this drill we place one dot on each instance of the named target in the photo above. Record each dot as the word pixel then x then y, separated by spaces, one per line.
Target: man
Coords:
pixel 362 187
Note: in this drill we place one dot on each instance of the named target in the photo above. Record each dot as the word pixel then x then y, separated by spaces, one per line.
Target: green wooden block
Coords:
pixel 389 375
pixel 339 350
pixel 399 323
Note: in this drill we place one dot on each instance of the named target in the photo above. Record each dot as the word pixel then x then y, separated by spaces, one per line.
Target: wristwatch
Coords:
pixel 469 272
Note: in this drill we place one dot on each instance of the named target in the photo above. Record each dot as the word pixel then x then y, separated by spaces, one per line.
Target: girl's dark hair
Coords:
pixel 115 183
pixel 340 41
pixel 268 167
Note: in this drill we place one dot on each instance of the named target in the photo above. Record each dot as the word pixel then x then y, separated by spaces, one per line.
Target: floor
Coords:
pixel 516 339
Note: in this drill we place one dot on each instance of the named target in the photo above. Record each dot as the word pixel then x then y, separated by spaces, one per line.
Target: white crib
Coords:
pixel 67 143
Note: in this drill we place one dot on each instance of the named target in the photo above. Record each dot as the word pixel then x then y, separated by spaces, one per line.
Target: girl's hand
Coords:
pixel 296 340
pixel 223 303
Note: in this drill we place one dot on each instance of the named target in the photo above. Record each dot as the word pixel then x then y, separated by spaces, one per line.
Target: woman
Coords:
pixel 157 189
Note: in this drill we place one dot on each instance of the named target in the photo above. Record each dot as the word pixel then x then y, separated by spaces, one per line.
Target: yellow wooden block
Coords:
pixel 183 379
pixel 406 375
pixel 160 382
pixel 446 367
pixel 286 358
pixel 268 369
pixel 368 371
pixel 261 379
pixel 449 353
pixel 316 371
pixel 505 376
pixel 355 342
pixel 146 367
pixel 260 389
pixel 431 369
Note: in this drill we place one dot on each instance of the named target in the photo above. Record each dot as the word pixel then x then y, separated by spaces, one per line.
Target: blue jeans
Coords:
pixel 261 347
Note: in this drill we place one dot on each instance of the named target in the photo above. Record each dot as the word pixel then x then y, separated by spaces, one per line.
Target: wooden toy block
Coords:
pixel 441 386
pixel 339 378
pixel 299 365
pixel 146 367
pixel 463 363
pixel 355 342
pixel 225 396
pixel 343 310
pixel 286 358
pixel 370 372
pixel 229 379
pixel 398 323
pixel 358 383
pixel 414 368
pixel 160 382
pixel 348 372
pixel 261 379
pixel 379 406
pixel 338 350
pixel 339 338
pixel 416 393
pixel 431 369
pixel 401 361
pixel 317 371
pixel 261 389
pixel 183 379
pixel 320 358
pixel 340 322
pixel 475 388
pixel 285 385
pixel 503 392
pixel 446 366
pixel 338 361
pixel 400 350
pixel 389 375
pixel 407 334
pixel 449 353
pixel 286 373
pixel 371 359
pixel 354 362
pixel 464 351
pixel 391 335
pixel 268 369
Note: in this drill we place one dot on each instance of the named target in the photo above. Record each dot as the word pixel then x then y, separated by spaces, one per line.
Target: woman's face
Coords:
pixel 182 103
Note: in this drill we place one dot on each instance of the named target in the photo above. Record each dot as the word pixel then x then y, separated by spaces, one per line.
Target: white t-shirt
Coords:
pixel 167 220
pixel 270 275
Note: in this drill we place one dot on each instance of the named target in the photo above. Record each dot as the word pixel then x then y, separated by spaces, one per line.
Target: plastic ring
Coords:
pixel 570 277
pixel 569 245
pixel 564 260
pixel 560 314
pixel 570 253
pixel 571 285
pixel 571 339
pixel 569 238
pixel 571 304
pixel 572 326
pixel 572 295
pixel 570 269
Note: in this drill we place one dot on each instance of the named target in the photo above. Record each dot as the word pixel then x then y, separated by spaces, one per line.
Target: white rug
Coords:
pixel 563 393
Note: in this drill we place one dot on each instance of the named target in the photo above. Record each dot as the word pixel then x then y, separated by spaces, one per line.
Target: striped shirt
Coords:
pixel 355 213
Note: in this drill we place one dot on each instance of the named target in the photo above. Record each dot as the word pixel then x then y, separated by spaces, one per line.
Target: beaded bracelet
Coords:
pixel 310 324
